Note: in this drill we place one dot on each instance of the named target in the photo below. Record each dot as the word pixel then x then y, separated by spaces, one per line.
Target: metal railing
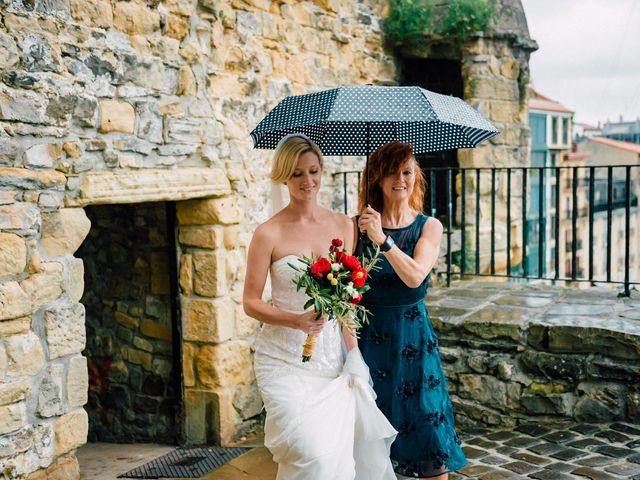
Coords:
pixel 540 206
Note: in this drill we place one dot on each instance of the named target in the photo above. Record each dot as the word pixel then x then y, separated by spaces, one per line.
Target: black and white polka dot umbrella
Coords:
pixel 357 120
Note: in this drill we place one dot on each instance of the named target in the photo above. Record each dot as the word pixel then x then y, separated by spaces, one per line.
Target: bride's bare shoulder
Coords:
pixel 342 220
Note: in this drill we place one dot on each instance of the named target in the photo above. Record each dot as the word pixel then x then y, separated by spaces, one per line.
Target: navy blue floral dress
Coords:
pixel 401 349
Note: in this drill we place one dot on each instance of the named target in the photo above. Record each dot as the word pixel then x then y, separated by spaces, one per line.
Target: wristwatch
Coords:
pixel 387 244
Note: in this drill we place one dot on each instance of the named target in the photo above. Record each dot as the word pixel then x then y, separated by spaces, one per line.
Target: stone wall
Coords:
pixel 110 102
pixel 519 353
pixel 132 389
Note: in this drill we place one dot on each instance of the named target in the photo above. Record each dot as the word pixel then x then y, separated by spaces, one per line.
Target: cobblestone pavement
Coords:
pixel 563 451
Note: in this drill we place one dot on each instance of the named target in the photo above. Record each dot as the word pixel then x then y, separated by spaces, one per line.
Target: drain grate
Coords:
pixel 185 463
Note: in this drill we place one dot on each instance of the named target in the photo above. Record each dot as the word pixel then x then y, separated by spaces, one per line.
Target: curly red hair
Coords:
pixel 387 160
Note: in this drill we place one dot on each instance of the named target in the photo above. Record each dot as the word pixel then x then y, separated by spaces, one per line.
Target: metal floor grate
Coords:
pixel 185 463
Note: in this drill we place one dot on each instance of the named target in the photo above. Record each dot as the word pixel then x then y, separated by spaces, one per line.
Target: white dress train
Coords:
pixel 322 420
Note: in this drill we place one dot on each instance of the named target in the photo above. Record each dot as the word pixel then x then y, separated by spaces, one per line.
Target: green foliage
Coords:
pixel 466 17
pixel 410 20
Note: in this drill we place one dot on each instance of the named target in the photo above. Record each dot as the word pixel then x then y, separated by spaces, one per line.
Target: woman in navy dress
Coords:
pixel 399 344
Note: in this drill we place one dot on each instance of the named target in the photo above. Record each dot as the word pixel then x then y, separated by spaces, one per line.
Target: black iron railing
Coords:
pixel 581 204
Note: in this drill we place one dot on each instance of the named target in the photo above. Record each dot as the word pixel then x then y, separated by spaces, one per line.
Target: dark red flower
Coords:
pixel 320 268
pixel 356 300
pixel 336 242
pixel 359 277
pixel 350 262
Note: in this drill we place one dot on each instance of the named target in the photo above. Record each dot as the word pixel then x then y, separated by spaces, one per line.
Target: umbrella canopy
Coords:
pixel 357 120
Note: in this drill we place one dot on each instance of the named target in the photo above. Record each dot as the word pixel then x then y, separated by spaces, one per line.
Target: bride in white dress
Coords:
pixel 322 422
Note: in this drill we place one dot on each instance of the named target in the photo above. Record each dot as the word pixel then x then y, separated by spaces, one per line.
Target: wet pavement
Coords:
pixel 561 451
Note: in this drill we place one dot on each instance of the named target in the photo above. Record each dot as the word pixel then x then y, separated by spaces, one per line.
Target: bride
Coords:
pixel 322 422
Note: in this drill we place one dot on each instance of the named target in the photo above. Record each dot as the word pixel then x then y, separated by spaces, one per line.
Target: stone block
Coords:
pixel 12 417
pixel 25 354
pixel 22 106
pixel 19 216
pixel 149 122
pixel 227 86
pixel 96 13
pixel 135 18
pixel 233 237
pixel 42 155
pixel 126 320
pixel 65 329
pixel 155 330
pixel 14 301
pixel 138 357
pixel 225 211
pixel 148 72
pixel 209 273
pixel 71 431
pixel 235 266
pixel 224 365
pixel 555 367
pixel 14 327
pixel 13 254
pixel 199 408
pixel 65 468
pixel 176 27
pixel 77 382
pixel 188 366
pixel 186 274
pixel 116 116
pixel 75 279
pixel 50 401
pixel 8 52
pixel 14 392
pixel 492 323
pixel 489 391
pixel 600 402
pixel 187 131
pixel 245 325
pixel 247 401
pixel 160 273
pixel 207 320
pixel 187 85
pixel 207 236
pixel 3 361
pixel 142 344
pixel 64 231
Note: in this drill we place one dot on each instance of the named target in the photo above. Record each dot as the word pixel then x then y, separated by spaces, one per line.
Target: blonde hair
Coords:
pixel 287 154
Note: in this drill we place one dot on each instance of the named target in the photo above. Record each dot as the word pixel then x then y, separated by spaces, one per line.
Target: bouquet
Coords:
pixel 335 285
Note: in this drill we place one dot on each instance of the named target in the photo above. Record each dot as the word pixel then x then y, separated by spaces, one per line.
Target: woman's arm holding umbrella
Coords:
pixel 411 270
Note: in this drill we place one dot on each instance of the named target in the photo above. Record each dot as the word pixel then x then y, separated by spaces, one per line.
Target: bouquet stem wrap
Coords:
pixel 309 347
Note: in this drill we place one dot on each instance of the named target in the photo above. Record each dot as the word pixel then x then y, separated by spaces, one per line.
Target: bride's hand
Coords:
pixel 308 324
pixel 370 223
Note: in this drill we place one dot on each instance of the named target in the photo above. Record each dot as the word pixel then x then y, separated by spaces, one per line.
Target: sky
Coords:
pixel 588 57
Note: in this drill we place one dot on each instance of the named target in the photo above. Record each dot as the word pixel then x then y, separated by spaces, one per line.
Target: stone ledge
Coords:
pixel 151 185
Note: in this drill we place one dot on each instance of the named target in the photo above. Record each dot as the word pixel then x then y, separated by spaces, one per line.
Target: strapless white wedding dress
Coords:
pixel 322 421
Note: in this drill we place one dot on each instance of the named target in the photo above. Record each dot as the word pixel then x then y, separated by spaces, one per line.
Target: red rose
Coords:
pixel 350 262
pixel 320 268
pixel 336 242
pixel 359 277
pixel 339 255
pixel 356 300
